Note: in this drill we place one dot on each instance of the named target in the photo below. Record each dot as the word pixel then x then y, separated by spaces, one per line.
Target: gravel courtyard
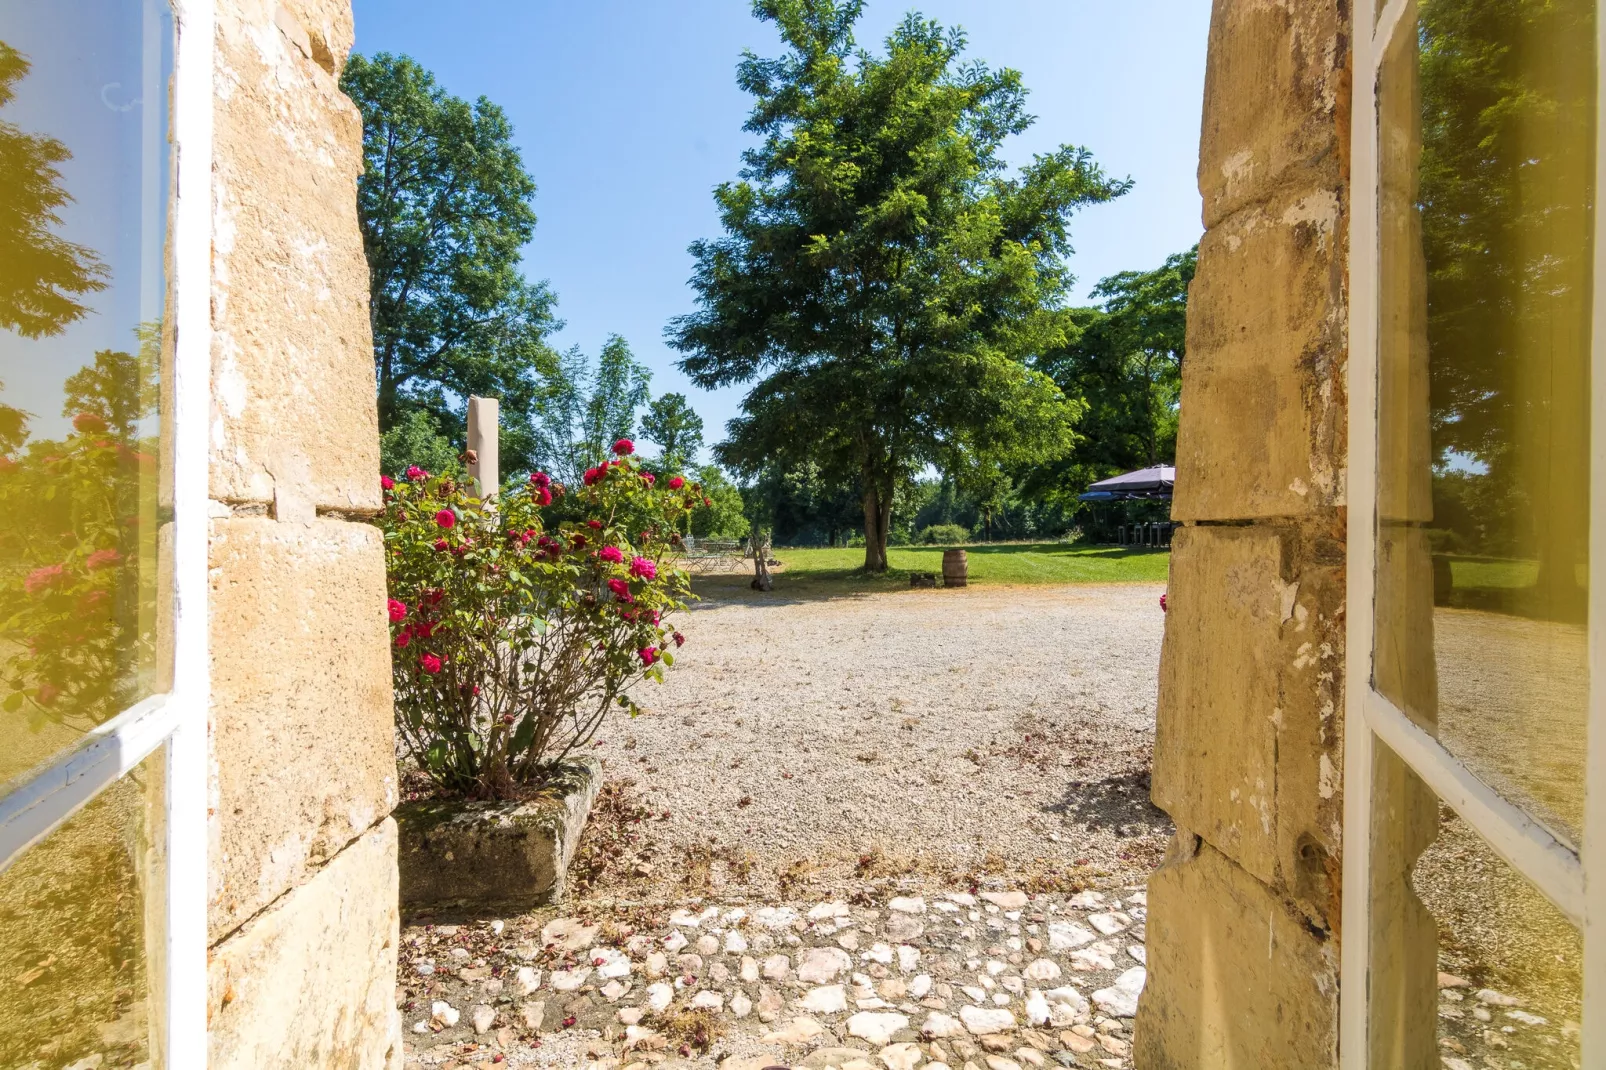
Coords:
pixel 927 736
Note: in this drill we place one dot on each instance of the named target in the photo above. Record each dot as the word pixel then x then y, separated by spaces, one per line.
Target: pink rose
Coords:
pixel 1162 603
pixel 386 483
pixel 404 638
pixel 415 473
pixel 647 654
pixel 620 589
pixel 648 478
pixel 101 559
pixel 675 482
pixel 612 555
pixel 42 577
pixel 543 495
pixel 540 479
pixel 397 610
pixel 430 664
pixel 624 447
pixel 591 477
pixel 643 568
pixel 446 519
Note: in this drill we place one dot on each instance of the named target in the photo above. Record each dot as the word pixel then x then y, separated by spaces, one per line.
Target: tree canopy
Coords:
pixel 882 280
pixel 587 407
pixel 671 422
pixel 445 207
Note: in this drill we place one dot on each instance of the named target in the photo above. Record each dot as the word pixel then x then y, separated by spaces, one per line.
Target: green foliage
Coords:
pixel 671 422
pixel 882 280
pixel 585 409
pixel 445 207
pixel 415 439
pixel 725 516
pixel 943 535
pixel 801 507
pixel 42 275
pixel 514 637
pixel 78 520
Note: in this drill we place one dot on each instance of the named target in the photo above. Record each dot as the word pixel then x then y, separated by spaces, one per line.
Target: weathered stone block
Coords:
pixel 1262 432
pixel 1276 101
pixel 294 415
pixel 1236 977
pixel 302 726
pixel 311 982
pixel 513 854
pixel 1248 736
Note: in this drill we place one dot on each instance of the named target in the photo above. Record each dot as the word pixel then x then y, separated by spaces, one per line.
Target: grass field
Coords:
pixel 829 571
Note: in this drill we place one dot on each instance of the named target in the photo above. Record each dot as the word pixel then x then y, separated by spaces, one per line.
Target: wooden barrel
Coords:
pixel 955 568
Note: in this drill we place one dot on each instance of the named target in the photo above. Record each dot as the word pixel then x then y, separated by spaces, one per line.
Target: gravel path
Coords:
pixel 928 734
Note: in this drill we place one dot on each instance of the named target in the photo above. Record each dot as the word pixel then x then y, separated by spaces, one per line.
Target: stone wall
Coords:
pixel 1244 913
pixel 302 896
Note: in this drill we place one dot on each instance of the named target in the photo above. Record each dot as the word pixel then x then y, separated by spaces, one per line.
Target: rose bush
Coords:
pixel 514 634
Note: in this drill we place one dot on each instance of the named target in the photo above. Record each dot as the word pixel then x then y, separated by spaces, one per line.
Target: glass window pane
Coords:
pixel 1486 154
pixel 80 913
pixel 84 180
pixel 1462 940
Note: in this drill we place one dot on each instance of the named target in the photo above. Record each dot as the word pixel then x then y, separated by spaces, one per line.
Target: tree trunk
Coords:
pixel 761 562
pixel 877 515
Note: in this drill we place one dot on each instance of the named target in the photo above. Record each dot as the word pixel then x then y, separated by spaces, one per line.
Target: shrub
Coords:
pixel 944 535
pixel 514 637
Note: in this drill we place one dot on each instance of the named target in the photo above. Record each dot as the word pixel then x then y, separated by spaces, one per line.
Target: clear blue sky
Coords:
pixel 628 115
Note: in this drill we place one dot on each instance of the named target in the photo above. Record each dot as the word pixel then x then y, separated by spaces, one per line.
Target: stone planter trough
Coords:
pixel 496 855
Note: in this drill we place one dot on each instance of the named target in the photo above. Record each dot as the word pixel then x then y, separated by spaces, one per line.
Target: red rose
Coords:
pixel 594 525
pixel 446 519
pixel 579 541
pixel 430 664
pixel 416 473
pixel 387 483
pixel 680 640
pixel 397 609
pixel 540 479
pixel 591 477
pixel 675 482
pixel 442 545
pixel 708 502
pixel 620 589
pixel 624 447
pixel 647 654
pixel 404 638
pixel 1162 603
pixel 648 478
pixel 543 496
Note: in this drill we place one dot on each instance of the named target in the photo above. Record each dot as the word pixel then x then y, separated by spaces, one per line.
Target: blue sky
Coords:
pixel 628 115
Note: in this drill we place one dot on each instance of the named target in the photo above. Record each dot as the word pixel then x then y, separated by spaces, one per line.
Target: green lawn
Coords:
pixel 830 571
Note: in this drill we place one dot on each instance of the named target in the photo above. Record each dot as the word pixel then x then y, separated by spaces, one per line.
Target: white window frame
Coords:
pixel 1574 881
pixel 176 721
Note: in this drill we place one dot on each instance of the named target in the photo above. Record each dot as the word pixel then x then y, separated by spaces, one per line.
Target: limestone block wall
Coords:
pixel 1244 913
pixel 302 894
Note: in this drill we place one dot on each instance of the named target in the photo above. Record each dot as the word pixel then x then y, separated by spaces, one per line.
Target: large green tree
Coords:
pixel 445 207
pixel 674 425
pixel 882 279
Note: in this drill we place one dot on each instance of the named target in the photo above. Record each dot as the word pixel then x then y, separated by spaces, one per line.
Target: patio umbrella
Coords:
pixel 1144 483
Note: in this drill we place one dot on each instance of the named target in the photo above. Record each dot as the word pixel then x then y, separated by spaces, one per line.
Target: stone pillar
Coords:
pixel 302 896
pixel 1244 913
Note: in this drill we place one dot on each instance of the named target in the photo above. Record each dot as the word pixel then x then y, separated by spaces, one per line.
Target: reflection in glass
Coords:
pixel 78 913
pixel 84 165
pixel 1463 940
pixel 1486 219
